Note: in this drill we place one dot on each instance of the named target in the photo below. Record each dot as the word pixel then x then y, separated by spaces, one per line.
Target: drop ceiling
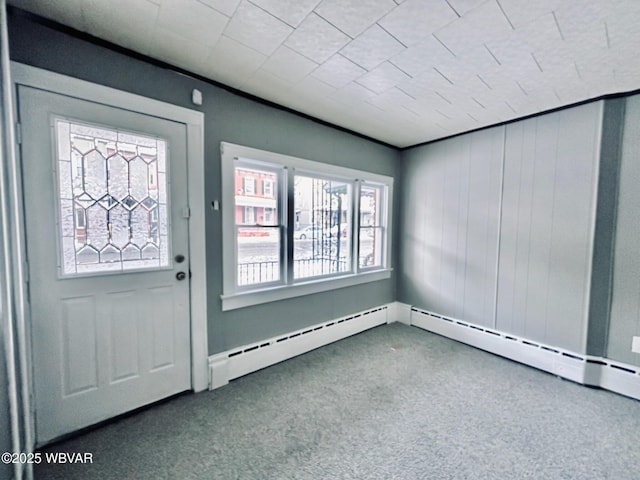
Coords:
pixel 403 72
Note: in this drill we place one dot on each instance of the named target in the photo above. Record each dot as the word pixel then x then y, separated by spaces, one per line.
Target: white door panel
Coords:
pixel 110 322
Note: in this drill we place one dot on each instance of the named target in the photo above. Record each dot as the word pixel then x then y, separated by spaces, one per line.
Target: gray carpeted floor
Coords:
pixel 394 402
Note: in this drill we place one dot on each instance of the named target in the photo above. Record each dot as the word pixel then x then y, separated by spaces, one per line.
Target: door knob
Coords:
pixel 181 275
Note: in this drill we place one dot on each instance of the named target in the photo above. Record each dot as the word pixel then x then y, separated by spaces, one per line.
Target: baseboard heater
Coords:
pixel 585 369
pixel 240 361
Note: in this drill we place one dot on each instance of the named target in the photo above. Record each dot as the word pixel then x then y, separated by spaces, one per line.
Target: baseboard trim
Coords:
pixel 585 369
pixel 240 361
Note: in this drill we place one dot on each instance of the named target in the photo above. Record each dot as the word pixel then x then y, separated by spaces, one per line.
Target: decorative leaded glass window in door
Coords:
pixel 113 199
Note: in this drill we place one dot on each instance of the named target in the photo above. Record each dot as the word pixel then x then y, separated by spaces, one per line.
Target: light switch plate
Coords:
pixel 635 345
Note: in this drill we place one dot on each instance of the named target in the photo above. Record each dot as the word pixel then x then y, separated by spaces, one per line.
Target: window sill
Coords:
pixel 256 297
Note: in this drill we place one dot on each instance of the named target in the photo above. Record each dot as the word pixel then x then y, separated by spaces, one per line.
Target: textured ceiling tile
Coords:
pixel 134 31
pixel 415 20
pixel 392 98
pixel 314 88
pixel 372 48
pixel 382 78
pixel 423 56
pixel 354 16
pixel 232 63
pixel 257 29
pixel 352 94
pixel 623 25
pixel 289 65
pixel 425 84
pixel 540 33
pixel 338 71
pixel 266 85
pixel 463 6
pixel 193 20
pixel 224 6
pixel 179 51
pixel 291 12
pixel 317 39
pixel 480 25
pixel 520 12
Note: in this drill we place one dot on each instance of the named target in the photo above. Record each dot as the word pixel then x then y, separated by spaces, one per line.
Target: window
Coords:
pixel 311 227
pixel 267 187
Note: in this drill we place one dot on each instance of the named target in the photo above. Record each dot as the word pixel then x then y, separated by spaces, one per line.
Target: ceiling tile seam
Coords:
pixel 334 26
pixel 451 7
pixel 391 35
pixel 483 81
pixel 271 15
pixel 472 117
pixel 443 44
pixel 575 64
pixel 216 10
pixel 536 61
pixel 521 88
pixel 505 15
pixel 491 53
pixel 557 95
pixel 475 100
pixel 365 87
pixel 355 63
pixel 444 115
pixel 555 19
pixel 443 75
pixel 442 97
pixel 405 92
pixel 509 105
pixel 606 32
pixel 402 70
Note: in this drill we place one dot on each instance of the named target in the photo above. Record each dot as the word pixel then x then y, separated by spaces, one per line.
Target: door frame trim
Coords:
pixel 34 77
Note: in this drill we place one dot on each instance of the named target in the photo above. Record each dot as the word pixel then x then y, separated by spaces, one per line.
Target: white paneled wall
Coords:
pixel 498 226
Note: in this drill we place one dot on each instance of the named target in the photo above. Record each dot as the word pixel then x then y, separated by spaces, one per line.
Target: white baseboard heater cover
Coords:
pixel 585 369
pixel 240 361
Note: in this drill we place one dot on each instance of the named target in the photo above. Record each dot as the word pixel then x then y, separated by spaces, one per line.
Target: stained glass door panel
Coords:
pixel 112 188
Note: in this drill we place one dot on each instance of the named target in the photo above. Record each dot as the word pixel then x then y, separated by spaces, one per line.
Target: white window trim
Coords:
pixel 234 297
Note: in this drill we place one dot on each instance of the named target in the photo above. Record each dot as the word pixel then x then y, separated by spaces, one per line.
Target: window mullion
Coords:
pixel 355 225
pixel 289 223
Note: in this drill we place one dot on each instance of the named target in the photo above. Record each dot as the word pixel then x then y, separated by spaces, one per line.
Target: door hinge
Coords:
pixel 19 133
pixel 186 212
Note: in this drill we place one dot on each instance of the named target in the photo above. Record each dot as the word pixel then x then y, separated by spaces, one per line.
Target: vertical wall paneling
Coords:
pixel 450 229
pixel 604 237
pixel 625 301
pixel 549 192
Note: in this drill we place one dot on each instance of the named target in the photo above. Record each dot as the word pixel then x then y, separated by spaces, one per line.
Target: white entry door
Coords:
pixel 105 201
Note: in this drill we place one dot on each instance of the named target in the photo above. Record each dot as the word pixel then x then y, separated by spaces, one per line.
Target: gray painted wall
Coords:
pixel 461 207
pixel 625 307
pixel 234 119
pixel 449 231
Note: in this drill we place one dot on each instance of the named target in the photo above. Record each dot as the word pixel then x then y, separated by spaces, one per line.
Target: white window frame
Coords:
pixel 234 297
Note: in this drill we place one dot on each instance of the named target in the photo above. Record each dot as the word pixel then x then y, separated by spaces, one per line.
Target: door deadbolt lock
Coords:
pixel 179 258
pixel 181 275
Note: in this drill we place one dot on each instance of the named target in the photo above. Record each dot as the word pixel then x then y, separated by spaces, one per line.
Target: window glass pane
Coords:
pixel 112 199
pixel 371 229
pixel 258 255
pixel 258 233
pixel 322 243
